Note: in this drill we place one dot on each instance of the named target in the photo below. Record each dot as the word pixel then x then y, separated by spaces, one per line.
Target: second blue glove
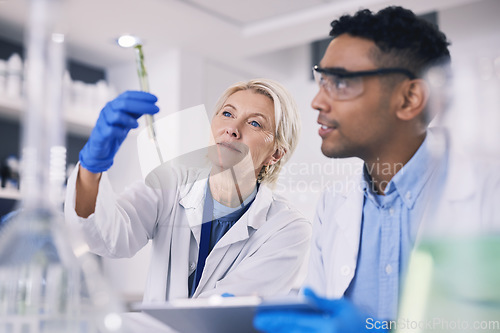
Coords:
pixel 116 119
pixel 334 315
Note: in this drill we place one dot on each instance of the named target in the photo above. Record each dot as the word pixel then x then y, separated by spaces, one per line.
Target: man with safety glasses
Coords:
pixel 372 104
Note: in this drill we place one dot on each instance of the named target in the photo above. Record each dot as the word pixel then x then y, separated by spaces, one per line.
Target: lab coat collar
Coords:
pixel 192 197
pixel 460 183
pixel 352 208
pixel 257 214
pixel 253 218
pixel 192 193
pixel 232 242
pixel 348 218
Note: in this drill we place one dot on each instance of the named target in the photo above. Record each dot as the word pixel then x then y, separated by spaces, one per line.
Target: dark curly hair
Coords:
pixel 403 39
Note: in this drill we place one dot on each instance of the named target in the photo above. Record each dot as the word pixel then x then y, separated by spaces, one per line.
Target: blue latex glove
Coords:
pixel 116 119
pixel 338 315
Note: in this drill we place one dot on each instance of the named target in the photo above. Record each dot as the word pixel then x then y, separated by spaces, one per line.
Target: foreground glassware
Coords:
pixel 453 282
pixel 49 282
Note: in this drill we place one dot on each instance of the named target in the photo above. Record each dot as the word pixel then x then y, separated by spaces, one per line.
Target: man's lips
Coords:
pixel 325 129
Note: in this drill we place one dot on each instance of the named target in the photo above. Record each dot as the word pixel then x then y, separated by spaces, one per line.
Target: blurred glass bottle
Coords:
pixel 14 80
pixel 3 77
pixel 453 282
pixel 49 282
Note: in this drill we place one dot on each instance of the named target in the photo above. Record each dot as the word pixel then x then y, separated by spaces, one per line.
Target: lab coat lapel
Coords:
pixel 192 197
pixel 231 244
pixel 257 213
pixel 225 251
pixel 454 209
pixel 252 219
pixel 348 218
pixel 460 184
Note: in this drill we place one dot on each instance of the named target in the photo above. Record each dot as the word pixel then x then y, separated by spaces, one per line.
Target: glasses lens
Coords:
pixel 339 88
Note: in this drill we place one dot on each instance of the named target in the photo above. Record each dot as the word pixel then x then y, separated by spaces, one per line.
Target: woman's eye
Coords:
pixel 255 124
pixel 226 114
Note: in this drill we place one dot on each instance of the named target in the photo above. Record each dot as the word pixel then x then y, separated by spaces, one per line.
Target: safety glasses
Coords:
pixel 344 85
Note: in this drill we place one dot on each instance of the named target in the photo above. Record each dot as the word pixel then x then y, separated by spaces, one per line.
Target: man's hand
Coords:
pixel 338 315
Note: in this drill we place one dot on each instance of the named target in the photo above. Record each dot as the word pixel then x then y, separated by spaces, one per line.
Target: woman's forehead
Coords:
pixel 251 102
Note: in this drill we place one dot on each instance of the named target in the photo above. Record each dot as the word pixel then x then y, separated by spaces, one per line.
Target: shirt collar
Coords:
pixel 220 210
pixel 410 179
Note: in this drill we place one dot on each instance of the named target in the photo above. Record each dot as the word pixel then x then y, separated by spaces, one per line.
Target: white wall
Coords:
pixel 473 29
pixel 181 79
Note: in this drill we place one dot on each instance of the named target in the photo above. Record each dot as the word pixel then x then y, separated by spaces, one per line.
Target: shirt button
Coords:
pixel 345 270
pixel 408 195
pixel 391 211
pixel 388 269
pixel 192 266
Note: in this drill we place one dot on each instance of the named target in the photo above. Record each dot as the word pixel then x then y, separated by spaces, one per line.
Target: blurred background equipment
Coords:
pixel 453 281
pixel 48 280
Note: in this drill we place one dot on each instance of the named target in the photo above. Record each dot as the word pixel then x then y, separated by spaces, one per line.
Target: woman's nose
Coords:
pixel 233 132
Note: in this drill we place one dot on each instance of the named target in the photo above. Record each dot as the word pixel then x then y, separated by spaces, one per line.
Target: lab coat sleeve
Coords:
pixel 273 268
pixel 316 275
pixel 121 225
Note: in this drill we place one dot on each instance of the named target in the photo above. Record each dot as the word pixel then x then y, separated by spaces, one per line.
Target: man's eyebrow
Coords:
pixel 336 69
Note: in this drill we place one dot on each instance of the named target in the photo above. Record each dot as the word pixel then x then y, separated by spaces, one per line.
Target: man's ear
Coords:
pixel 276 156
pixel 414 97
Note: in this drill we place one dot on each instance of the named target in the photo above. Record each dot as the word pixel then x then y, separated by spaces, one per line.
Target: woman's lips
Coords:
pixel 229 146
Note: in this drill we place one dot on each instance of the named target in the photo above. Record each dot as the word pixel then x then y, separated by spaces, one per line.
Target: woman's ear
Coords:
pixel 415 94
pixel 276 156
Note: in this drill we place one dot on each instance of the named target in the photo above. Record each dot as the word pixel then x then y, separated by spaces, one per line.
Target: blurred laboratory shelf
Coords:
pixel 7 193
pixel 10 108
pixel 76 123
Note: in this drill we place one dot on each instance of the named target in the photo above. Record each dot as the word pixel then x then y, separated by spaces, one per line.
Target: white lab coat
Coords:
pixel 470 203
pixel 261 254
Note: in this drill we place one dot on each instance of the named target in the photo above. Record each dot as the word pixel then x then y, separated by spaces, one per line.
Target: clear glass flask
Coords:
pixel 453 282
pixel 49 282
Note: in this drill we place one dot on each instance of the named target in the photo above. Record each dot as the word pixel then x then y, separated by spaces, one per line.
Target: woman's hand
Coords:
pixel 116 119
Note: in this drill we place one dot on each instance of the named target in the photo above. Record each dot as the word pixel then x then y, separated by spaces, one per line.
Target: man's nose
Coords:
pixel 319 102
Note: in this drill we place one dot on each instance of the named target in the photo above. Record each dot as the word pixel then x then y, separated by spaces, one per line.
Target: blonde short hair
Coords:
pixel 286 116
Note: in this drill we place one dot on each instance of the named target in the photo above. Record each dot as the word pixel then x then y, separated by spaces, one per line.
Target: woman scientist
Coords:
pixel 253 241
